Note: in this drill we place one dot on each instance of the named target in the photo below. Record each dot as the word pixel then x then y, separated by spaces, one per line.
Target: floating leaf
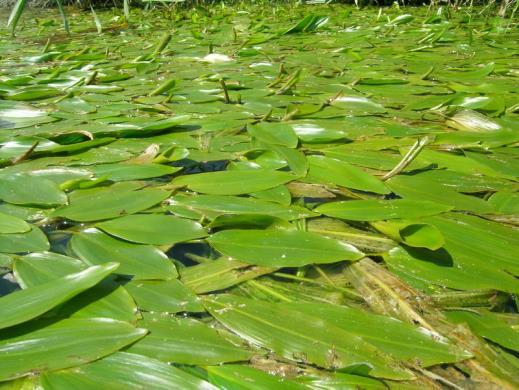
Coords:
pixel 111 202
pixel 234 182
pixel 10 224
pixel 331 171
pixel 24 305
pixel 401 340
pixel 106 299
pixel 416 187
pixel 62 344
pixel 153 229
pixel 246 377
pixel 376 210
pixel 413 234
pixel 213 205
pixel 488 325
pixel 186 341
pixel 269 325
pixel 273 248
pixel 169 296
pixel 126 171
pixel 274 133
pixel 220 274
pixel 28 189
pixel 141 261
pixel 135 371
pixel 32 241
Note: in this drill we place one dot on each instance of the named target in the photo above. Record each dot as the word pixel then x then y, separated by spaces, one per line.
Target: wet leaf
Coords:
pixel 488 325
pixel 169 296
pixel 332 171
pixel 24 305
pixel 106 299
pixel 153 229
pixel 10 224
pixel 120 172
pixel 186 341
pixel 124 371
pixel 113 201
pixel 396 338
pixel 413 234
pixel 32 241
pixel 274 133
pixel 281 248
pixel 213 205
pixel 62 344
pixel 28 189
pixel 314 340
pixel 376 210
pixel 141 261
pixel 234 182
pixel 246 377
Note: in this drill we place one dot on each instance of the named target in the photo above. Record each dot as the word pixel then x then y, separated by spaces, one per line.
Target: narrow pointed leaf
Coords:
pixel 141 261
pixel 314 340
pixel 21 306
pixel 234 182
pixel 124 371
pixel 281 248
pixel 153 229
pixel 68 343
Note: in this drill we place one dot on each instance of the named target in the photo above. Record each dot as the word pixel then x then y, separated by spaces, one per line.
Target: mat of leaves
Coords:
pixel 246 198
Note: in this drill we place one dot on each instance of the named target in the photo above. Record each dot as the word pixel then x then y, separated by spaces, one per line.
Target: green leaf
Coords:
pixel 308 23
pixel 402 19
pixel 505 202
pixel 295 159
pixel 141 261
pixel 376 210
pixel 233 376
pixel 10 224
pixel 358 105
pixel 419 235
pixel 111 202
pixel 274 133
pixel 364 240
pixel 401 340
pixel 186 341
pixel 16 13
pixel 212 206
pixel 26 189
pixel 127 171
pixel 124 371
pixel 281 248
pixel 342 381
pixel 331 171
pixel 314 340
pixel 32 241
pixel 43 346
pixel 469 239
pixel 417 187
pixel 169 296
pixel 106 299
pixel 33 92
pixel 234 182
pixel 153 229
pixel 469 120
pixel 488 325
pixel 423 268
pixel 21 306
pixel 219 274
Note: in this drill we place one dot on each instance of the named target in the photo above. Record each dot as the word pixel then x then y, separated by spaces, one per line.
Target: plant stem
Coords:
pixel 408 158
